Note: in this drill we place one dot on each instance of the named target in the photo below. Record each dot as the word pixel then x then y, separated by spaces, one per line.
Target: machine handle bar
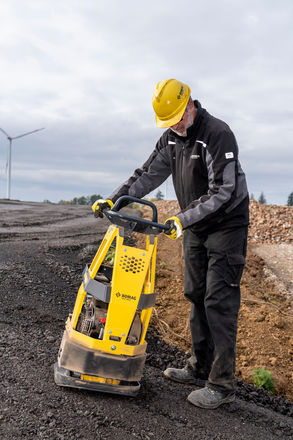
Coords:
pixel 131 199
pixel 135 223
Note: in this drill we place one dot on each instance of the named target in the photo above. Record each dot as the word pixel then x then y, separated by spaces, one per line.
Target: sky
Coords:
pixel 86 70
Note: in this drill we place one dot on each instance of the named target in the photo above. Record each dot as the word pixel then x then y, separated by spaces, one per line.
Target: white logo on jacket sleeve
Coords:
pixel 229 155
pixel 171 142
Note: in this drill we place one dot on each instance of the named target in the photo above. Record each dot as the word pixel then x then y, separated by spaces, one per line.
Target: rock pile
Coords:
pixel 268 223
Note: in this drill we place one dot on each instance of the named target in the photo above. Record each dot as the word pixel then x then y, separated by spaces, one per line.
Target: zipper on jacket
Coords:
pixel 182 171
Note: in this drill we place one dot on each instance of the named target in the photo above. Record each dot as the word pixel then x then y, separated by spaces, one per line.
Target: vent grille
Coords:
pixel 132 264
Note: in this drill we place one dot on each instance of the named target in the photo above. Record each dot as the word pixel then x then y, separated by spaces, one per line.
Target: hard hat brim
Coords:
pixel 172 121
pixel 165 123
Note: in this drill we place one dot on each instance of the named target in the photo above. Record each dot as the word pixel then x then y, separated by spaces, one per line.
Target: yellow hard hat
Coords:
pixel 170 99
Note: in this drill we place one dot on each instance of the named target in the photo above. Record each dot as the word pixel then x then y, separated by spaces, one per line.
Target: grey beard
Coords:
pixel 184 134
pixel 189 123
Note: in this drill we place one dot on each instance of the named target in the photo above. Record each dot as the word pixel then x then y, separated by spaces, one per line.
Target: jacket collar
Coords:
pixel 199 115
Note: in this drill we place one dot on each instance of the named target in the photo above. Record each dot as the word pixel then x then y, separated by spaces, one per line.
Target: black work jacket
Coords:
pixel 208 179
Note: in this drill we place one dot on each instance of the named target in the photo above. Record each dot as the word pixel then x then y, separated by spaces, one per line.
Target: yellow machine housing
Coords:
pixel 103 346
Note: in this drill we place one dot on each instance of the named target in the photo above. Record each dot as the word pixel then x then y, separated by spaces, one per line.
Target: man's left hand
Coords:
pixel 175 228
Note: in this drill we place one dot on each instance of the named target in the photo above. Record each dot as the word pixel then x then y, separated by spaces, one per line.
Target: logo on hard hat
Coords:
pixel 180 93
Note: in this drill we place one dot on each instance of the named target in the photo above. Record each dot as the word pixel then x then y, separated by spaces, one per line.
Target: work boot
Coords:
pixel 185 375
pixel 209 399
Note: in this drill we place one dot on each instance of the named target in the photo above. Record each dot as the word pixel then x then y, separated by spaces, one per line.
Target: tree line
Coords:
pixel 89 200
pixel 262 199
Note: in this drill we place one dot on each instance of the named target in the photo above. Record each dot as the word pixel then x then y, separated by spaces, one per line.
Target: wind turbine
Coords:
pixel 10 138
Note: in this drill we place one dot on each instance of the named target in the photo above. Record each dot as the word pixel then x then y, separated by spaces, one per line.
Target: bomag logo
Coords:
pixel 180 93
pixel 126 297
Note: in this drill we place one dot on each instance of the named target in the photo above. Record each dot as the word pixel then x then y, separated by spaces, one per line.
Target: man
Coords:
pixel 201 153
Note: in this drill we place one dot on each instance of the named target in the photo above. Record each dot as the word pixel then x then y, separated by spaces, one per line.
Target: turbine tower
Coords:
pixel 10 138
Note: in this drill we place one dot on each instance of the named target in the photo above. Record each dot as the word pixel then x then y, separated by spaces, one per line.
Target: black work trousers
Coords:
pixel 213 267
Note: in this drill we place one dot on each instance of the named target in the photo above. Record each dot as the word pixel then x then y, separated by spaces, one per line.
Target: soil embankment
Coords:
pixel 265 335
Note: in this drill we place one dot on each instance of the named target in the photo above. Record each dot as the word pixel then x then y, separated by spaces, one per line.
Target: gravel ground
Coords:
pixel 43 251
pixel 279 259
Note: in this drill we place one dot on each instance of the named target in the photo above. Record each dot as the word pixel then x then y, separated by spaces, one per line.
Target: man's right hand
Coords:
pixel 101 205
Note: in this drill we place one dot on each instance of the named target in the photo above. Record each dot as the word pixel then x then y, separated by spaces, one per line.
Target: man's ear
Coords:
pixel 191 103
pixel 192 107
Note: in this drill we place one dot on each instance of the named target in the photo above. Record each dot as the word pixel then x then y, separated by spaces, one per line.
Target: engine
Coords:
pixel 93 317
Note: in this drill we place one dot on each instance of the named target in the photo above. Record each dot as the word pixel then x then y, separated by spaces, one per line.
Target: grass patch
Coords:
pixel 263 378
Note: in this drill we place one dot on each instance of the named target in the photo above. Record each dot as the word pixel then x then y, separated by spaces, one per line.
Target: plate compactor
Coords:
pixel 103 346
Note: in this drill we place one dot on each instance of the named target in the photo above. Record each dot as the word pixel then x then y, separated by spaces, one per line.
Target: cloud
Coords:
pixel 87 75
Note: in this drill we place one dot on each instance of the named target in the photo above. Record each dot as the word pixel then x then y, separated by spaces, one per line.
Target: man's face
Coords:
pixel 185 122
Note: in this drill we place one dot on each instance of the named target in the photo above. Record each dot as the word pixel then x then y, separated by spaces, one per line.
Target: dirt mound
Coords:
pixel 265 318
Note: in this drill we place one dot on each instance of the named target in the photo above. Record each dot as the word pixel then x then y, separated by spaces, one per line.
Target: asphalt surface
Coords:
pixel 43 250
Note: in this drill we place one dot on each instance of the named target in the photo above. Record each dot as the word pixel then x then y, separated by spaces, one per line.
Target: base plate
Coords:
pixel 66 378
